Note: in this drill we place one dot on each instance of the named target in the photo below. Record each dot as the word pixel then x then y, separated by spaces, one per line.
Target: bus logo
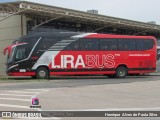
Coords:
pixel 88 61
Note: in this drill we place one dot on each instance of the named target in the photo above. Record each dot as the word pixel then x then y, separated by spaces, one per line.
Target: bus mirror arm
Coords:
pixel 5 50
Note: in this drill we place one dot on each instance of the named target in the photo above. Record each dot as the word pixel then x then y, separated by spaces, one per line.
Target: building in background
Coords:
pixel 5 1
pixel 152 22
pixel 93 11
pixel 19 18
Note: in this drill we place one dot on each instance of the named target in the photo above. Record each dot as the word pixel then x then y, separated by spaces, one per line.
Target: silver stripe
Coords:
pixel 57 47
pixel 12 66
pixel 67 40
pixel 53 49
pixel 19 44
pixel 61 44
pixel 83 35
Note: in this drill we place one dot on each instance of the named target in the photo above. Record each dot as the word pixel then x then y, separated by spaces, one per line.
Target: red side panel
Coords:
pixel 22 74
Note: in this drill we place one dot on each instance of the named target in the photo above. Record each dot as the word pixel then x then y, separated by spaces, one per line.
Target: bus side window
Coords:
pixel 132 44
pixel 143 44
pixel 148 44
pixel 126 44
pixel 113 44
pixel 104 45
pixel 140 44
pixel 113 47
pixel 108 44
pixel 73 46
pixel 46 43
pixel 89 44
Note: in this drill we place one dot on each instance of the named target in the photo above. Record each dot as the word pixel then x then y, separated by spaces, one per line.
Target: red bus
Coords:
pixel 44 54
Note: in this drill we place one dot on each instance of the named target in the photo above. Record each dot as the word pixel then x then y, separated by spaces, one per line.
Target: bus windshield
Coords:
pixel 16 52
pixel 20 53
pixel 11 55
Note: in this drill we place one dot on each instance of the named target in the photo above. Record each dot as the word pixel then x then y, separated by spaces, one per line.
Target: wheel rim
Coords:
pixel 42 73
pixel 121 72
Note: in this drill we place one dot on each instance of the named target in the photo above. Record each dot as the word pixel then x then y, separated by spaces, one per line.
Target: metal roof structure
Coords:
pixel 46 13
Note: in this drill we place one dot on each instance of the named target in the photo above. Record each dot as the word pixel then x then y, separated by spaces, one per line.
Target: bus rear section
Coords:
pixel 90 53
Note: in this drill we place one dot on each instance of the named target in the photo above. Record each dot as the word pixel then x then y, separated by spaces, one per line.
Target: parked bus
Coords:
pixel 44 54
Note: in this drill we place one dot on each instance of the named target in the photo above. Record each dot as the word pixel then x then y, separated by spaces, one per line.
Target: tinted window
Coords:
pixel 104 44
pixel 30 43
pixel 126 44
pixel 108 44
pixel 73 46
pixel 31 40
pixel 89 44
pixel 46 43
pixel 20 53
pixel 148 44
pixel 144 44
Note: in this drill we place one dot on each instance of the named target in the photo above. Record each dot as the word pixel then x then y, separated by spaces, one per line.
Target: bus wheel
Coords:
pixel 42 73
pixel 121 72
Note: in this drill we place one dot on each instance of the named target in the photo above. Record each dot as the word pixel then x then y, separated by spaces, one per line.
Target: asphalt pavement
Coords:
pixel 87 93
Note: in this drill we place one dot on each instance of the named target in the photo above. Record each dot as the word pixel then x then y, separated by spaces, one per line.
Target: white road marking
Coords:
pixel 35 92
pixel 39 109
pixel 13 95
pixel 16 99
pixel 21 92
pixel 40 90
pixel 14 106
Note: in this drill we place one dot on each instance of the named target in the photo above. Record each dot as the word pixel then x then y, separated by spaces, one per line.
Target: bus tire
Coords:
pixel 42 73
pixel 121 72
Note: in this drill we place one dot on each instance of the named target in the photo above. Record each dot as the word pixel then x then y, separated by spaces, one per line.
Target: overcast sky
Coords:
pixel 139 10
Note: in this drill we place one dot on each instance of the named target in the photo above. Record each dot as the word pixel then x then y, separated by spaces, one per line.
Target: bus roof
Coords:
pixel 51 34
pixel 85 35
pixel 118 36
